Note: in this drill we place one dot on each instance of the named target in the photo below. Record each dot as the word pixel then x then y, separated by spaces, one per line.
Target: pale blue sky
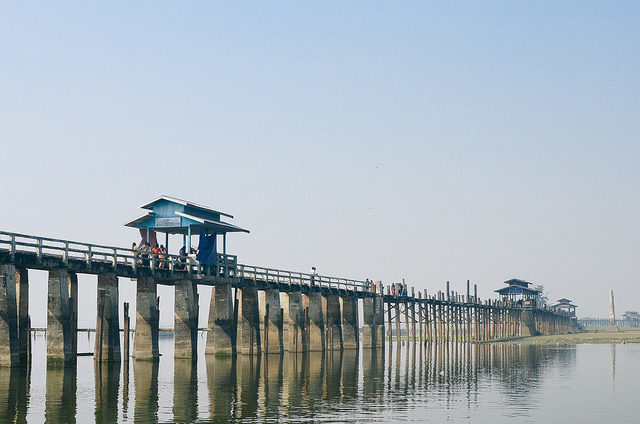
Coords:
pixel 426 141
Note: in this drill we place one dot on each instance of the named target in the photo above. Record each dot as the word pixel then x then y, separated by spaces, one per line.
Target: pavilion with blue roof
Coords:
pixel 170 215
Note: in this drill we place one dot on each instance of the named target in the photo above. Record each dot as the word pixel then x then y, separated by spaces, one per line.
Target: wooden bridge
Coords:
pixel 296 312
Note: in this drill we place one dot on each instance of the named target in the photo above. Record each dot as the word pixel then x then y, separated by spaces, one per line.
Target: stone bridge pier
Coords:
pixel 62 317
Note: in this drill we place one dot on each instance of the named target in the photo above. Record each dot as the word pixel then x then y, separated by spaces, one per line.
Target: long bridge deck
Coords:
pixel 317 313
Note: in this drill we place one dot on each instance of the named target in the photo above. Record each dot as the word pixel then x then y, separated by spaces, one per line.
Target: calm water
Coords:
pixel 503 383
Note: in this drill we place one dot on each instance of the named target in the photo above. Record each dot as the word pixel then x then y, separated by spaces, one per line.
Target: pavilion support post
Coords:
pixel 316 323
pixel 350 329
pixel 271 322
pixel 248 336
pixel 221 334
pixel 186 319
pixel 294 333
pixel 145 342
pixel 9 346
pixel 24 322
pixel 107 343
pixel 62 318
pixel 333 322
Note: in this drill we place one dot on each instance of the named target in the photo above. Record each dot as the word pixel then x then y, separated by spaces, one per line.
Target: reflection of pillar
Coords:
pixel 334 374
pixel 9 355
pixel 316 322
pixel 145 381
pixel 185 391
pixel 221 378
pixel 315 382
pixel 612 355
pixel 271 385
pixel 107 344
pixel 350 374
pixel 186 319
pixel 221 336
pixel 271 321
pixel 248 369
pixel 293 322
pixel 22 298
pixel 248 339
pixel 145 343
pixel 107 376
pixel 372 374
pixel 333 322
pixel 8 393
pixel 293 370
pixel 60 402
pixel 62 319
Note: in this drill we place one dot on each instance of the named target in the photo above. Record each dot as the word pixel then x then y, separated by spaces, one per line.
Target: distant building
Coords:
pixel 565 305
pixel 519 291
pixel 632 318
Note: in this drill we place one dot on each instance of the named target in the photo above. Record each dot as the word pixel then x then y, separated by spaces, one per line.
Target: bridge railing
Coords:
pixel 226 265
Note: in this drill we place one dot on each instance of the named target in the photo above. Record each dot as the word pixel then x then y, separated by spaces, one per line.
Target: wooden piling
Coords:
pixel 127 328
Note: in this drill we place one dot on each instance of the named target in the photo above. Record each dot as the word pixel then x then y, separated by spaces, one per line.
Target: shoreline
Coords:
pixel 587 337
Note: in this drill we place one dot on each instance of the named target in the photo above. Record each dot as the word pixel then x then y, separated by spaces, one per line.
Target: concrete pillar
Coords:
pixel 315 332
pixel 62 318
pixel 293 322
pixel 107 345
pixel 186 319
pixel 145 342
pixel 373 328
pixel 378 318
pixel 333 323
pixel 248 337
pixel 221 337
pixel 9 355
pixel 24 323
pixel 527 323
pixel 271 322
pixel 350 329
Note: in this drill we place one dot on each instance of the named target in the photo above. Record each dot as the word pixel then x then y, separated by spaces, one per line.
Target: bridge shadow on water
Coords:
pixel 348 386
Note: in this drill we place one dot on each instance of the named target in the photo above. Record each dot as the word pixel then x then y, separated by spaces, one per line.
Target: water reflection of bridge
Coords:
pixel 296 386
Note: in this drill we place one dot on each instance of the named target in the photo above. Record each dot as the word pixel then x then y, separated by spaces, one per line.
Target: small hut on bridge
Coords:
pixel 170 215
pixel 565 305
pixel 520 292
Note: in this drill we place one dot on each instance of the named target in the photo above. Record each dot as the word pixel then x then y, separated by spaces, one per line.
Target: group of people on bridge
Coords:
pixel 399 290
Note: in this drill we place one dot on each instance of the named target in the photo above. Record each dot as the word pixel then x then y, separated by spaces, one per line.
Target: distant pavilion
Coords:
pixel 566 306
pixel 519 290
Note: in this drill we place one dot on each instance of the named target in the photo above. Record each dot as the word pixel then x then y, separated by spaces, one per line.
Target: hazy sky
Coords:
pixel 418 140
